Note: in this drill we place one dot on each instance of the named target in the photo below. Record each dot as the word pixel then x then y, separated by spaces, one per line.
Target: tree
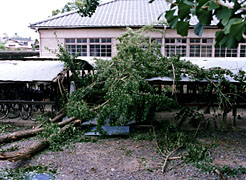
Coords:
pixel 84 7
pixel 67 7
pixel 230 15
pixel 118 90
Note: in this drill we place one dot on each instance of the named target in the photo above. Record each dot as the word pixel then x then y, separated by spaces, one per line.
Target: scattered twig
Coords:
pixel 157 145
pixel 169 158
pixel 197 129
pixel 220 174
pixel 99 106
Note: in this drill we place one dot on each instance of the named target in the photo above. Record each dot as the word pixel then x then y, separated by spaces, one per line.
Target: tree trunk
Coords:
pixel 34 148
pixel 19 135
pixel 24 153
pixel 28 133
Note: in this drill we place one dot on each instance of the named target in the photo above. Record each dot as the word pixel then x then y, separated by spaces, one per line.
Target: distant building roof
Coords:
pixel 20 39
pixel 117 13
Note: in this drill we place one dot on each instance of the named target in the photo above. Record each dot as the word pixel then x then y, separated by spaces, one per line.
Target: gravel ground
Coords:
pixel 123 159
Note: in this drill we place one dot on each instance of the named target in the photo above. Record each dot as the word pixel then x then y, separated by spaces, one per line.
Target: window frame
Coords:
pixel 103 43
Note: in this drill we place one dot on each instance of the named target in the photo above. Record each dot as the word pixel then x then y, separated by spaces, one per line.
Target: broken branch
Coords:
pixel 24 153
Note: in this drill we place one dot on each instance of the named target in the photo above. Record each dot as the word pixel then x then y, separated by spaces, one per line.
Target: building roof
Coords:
pixel 117 13
pixel 30 71
pixel 232 64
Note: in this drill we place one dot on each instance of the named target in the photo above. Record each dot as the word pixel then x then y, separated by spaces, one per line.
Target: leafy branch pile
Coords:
pixel 119 91
pixel 183 146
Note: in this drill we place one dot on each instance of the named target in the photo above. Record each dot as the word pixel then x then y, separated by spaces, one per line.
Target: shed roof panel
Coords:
pixel 29 71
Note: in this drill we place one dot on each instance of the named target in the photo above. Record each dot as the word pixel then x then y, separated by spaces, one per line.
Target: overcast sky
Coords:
pixel 16 15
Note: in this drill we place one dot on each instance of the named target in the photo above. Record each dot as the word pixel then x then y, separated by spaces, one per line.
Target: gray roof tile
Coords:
pixel 117 13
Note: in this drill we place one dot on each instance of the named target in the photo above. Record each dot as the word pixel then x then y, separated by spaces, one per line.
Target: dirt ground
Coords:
pixel 124 158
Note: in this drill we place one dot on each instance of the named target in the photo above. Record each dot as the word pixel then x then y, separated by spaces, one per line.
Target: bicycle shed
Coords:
pixel 29 83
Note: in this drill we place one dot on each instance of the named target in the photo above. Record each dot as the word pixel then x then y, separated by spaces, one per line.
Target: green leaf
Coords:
pixel 173 23
pixel 169 15
pixel 231 21
pixel 198 29
pixel 171 19
pixel 213 5
pixel 193 11
pixel 182 28
pixel 224 15
pixel 189 3
pixel 201 3
pixel 205 17
pixel 219 35
pixel 237 30
pixel 183 10
pixel 225 40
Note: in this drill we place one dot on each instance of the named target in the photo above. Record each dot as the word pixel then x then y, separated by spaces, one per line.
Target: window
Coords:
pixel 174 46
pixel 77 46
pixel 158 40
pixel 98 47
pixel 243 51
pixel 201 47
pixel 225 52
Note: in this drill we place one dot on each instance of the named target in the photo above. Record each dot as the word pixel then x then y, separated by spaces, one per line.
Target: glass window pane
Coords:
pixel 82 40
pixel 70 40
pixel 195 40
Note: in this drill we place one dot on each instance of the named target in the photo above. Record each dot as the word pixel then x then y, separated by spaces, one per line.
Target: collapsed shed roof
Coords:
pixel 232 64
pixel 30 71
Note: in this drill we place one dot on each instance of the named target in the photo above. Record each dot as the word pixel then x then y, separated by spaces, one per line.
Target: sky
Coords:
pixel 16 15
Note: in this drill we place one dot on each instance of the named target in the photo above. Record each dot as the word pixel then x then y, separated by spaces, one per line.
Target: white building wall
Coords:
pixel 48 39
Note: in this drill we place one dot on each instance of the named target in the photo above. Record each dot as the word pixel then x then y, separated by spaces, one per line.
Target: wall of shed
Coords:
pixel 49 39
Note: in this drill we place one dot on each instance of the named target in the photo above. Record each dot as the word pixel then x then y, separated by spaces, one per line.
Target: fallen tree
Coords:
pixel 119 92
pixel 25 152
pixel 28 133
pixel 36 147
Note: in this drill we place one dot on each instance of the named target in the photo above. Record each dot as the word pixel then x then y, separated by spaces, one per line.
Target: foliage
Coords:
pixel 170 138
pixel 6 128
pixel 229 14
pixel 60 140
pixel 84 7
pixel 67 7
pixel 2 46
pixel 194 118
pixel 25 172
pixel 119 85
pixel 119 91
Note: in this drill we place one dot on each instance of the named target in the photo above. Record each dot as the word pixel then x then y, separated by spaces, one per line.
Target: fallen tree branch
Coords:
pixel 59 116
pixel 28 133
pixel 19 135
pixel 66 121
pixel 169 158
pixel 36 147
pixel 220 174
pixel 99 106
pixel 24 153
